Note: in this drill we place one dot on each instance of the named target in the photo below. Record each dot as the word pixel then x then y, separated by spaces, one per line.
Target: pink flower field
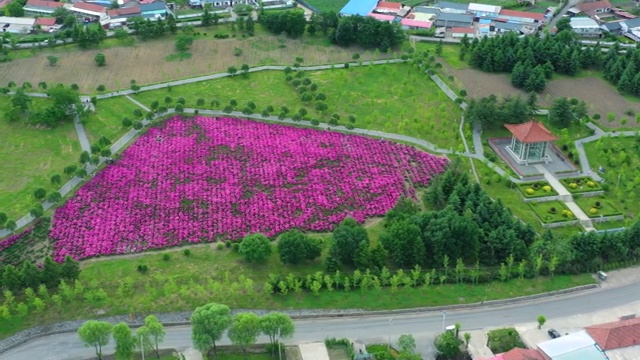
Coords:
pixel 208 179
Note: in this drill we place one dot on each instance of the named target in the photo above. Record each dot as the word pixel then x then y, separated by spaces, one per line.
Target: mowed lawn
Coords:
pixel 30 156
pixel 107 120
pixel 394 98
pixel 328 5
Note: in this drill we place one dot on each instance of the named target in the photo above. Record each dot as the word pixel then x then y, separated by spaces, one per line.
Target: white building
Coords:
pixel 584 26
pixel 16 25
pixel 576 346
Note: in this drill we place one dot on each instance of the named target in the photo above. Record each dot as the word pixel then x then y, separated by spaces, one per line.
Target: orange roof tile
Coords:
pixel 90 7
pixel 593 6
pixel 389 5
pixel 530 132
pixel 522 354
pixel 43 3
pixel 522 14
pixel 617 334
pixel 45 21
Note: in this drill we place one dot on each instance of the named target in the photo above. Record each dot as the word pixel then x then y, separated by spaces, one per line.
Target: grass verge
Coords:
pixel 107 120
pixel 551 211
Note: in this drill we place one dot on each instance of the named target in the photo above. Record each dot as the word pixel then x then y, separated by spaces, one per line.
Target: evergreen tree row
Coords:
pixel 533 59
pixel 622 69
pixel 28 275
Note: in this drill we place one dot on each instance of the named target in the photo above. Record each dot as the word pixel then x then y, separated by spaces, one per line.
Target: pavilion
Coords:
pixel 529 142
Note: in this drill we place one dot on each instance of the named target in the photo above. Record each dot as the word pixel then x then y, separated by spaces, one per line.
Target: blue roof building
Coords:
pixel 359 7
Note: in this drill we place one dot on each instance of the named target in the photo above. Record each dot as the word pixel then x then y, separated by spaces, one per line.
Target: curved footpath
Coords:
pixel 314 325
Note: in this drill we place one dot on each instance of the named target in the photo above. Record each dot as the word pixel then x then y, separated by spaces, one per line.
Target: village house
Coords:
pixel 42 7
pixel 584 26
pixel 591 8
pixel 89 12
pixel 452 8
pixel 16 25
pixel 521 17
pixel 449 20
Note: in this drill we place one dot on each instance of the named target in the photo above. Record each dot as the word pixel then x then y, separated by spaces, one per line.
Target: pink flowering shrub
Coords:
pixel 203 179
pixel 8 242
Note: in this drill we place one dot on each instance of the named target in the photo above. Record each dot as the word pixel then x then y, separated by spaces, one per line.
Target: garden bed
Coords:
pixel 596 207
pixel 583 184
pixel 503 340
pixel 552 212
pixel 536 189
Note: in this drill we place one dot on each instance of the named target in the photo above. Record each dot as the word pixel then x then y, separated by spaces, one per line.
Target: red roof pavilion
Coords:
pixel 530 132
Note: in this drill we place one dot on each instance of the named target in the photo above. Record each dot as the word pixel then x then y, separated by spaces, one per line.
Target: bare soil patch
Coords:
pixel 145 61
pixel 601 97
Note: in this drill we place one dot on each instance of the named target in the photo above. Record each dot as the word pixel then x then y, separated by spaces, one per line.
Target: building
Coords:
pixel 449 20
pixel 90 12
pixel 521 17
pixel 415 24
pixel 452 8
pixel 154 10
pixel 383 17
pixel 529 142
pixel 519 354
pixel 16 25
pixel 41 7
pixel 503 27
pixel 460 32
pixel 614 27
pixel 359 7
pixel 576 346
pixel 591 8
pixel 47 24
pixel 482 11
pixel 121 16
pixel 619 339
pixel 585 26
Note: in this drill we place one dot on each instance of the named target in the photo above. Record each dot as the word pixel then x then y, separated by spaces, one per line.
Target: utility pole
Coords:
pixel 142 347
pixel 389 342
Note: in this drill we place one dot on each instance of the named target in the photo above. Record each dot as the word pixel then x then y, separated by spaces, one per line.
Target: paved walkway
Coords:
pixel 566 197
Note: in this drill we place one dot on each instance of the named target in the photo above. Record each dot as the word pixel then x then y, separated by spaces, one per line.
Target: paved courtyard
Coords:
pixel 558 163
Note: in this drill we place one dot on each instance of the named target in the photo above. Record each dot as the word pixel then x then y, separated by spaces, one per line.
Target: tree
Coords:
pixel 152 333
pixel 232 70
pixel 563 24
pixel 15 9
pixel 125 342
pixel 208 323
pixel 95 333
pixel 250 26
pixel 207 19
pixel 11 278
pixel 29 275
pixel 403 241
pixel 448 344
pixel 244 330
pixel 439 47
pixel 70 269
pixel 245 71
pixel 295 247
pixel 21 100
pixel 347 236
pixel 171 24
pixel 255 248
pixel 276 325
pixel 560 112
pixel 183 42
pixel 50 275
pixel 100 59
pixel 541 320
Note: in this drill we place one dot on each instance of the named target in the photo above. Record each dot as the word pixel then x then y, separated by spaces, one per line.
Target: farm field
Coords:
pixel 393 98
pixel 209 55
pixel 107 120
pixel 205 180
pixel 601 97
pixel 328 5
pixel 30 156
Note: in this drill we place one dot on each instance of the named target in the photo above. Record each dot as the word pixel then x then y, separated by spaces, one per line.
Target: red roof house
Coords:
pixel 44 4
pixel 42 21
pixel 521 15
pixel 86 8
pixel 389 5
pixel 124 12
pixel 530 132
pixel 591 8
pixel 617 334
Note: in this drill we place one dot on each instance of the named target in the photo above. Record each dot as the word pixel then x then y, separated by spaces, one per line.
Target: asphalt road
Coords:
pixel 423 326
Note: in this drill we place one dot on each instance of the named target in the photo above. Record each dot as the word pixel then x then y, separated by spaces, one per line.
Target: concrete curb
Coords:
pixel 182 318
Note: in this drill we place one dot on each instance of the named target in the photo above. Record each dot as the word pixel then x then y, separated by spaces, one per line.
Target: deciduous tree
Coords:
pixel 95 334
pixel 255 248
pixel 244 330
pixel 208 324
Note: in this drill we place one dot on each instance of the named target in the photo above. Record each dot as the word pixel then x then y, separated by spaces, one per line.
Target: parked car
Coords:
pixel 554 333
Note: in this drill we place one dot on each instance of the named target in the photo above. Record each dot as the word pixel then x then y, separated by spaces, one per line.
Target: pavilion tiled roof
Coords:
pixel 617 334
pixel 530 132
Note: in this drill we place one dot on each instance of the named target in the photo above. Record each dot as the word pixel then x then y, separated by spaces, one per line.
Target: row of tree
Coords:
pixel 28 275
pixel 533 59
pixel 622 70
pixel 65 103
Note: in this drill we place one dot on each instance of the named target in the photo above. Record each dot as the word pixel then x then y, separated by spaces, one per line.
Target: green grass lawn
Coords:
pixel 30 156
pixel 620 158
pixel 579 185
pixel 328 5
pixel 551 211
pixel 597 206
pixel 107 120
pixel 391 98
pixel 536 189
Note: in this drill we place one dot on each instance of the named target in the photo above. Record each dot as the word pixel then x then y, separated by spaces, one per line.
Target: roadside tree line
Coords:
pixel 209 323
